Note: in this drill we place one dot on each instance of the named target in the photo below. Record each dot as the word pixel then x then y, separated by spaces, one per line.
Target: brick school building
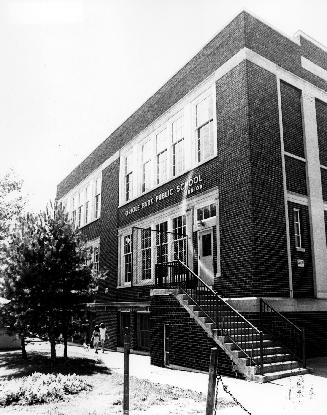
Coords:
pixel 207 209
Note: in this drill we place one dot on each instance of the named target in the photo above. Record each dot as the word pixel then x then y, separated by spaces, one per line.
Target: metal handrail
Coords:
pixel 300 331
pixel 223 312
pixel 220 298
pixel 262 301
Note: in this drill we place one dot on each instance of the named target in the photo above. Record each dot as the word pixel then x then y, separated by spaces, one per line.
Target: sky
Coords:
pixel 72 71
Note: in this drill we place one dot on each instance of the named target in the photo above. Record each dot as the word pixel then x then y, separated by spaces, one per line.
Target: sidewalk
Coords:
pixel 293 395
pixel 289 396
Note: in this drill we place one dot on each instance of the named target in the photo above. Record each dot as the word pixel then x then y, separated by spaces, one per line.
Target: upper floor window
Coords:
pixel 162 158
pixel 178 141
pixel 297 228
pixel 87 205
pixel 80 209
pixel 178 146
pixel 146 165
pixel 74 203
pixel 129 177
pixel 97 198
pixel 204 129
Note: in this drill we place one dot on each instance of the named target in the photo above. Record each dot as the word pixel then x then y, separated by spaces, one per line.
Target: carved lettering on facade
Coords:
pixel 190 186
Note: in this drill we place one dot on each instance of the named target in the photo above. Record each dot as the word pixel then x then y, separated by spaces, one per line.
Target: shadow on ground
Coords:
pixel 319 366
pixel 13 366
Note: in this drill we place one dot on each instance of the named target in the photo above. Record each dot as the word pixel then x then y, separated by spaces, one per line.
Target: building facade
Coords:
pixel 224 169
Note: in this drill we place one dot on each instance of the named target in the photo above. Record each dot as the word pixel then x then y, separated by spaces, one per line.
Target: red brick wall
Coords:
pixel 251 200
pixel 244 31
pixel 189 343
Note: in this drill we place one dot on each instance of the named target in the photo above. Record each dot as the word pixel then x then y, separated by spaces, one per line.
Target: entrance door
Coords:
pixel 205 246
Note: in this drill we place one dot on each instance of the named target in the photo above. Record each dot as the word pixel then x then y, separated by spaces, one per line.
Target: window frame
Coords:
pixel 128 255
pixel 162 241
pixel 297 228
pixel 128 178
pixel 175 143
pixel 198 127
pixel 146 254
pixel 147 162
pixel 161 153
pixel 180 239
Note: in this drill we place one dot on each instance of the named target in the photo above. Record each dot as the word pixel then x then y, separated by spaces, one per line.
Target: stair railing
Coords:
pixel 289 335
pixel 227 321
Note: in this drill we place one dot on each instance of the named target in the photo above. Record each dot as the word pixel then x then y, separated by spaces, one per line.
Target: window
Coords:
pixel 297 228
pixel 162 242
pixel 87 205
pixel 74 212
pixel 97 198
pixel 128 177
pixel 161 143
pixel 146 166
pixel 206 245
pixel 80 208
pixel 206 212
pixel 127 258
pixel 146 253
pixel 179 230
pixel 143 331
pixel 178 146
pixel 96 260
pixel 204 131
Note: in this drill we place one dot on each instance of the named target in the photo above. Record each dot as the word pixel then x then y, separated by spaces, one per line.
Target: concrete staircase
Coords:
pixel 277 363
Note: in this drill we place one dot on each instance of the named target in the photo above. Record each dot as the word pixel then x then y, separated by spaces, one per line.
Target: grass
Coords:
pixel 105 395
pixel 40 388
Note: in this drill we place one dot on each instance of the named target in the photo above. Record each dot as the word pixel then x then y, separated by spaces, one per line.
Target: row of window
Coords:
pixel 165 153
pixel 85 205
pixel 179 247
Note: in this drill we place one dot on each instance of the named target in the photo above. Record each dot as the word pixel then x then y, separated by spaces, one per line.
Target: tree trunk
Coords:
pixel 53 352
pixel 65 346
pixel 22 343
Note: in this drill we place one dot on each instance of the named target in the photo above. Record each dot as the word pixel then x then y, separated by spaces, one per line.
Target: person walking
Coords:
pixel 96 338
pixel 103 335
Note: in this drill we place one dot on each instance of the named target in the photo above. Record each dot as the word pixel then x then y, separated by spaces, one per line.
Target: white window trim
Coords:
pixel 211 91
pixel 166 215
pixel 209 222
pixel 185 108
pixel 89 180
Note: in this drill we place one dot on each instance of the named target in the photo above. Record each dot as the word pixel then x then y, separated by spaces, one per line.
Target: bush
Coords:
pixel 40 388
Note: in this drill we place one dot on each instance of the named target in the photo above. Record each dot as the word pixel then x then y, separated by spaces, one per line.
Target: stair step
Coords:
pixel 256 351
pixel 277 363
pixel 280 366
pixel 271 358
pixel 249 345
pixel 269 377
pixel 243 337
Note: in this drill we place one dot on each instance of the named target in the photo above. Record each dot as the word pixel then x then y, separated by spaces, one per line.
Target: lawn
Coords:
pixel 105 396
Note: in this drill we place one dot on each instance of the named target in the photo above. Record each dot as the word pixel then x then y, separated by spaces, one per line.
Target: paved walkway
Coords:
pixel 293 395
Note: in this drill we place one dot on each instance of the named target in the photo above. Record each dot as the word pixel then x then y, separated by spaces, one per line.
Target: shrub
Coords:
pixel 40 388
